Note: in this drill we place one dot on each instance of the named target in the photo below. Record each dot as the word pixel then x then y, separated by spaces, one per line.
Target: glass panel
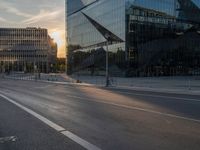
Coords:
pixel 76 5
pixel 87 45
pixel 163 37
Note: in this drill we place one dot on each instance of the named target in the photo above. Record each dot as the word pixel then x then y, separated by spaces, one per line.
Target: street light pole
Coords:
pixel 34 65
pixel 107 69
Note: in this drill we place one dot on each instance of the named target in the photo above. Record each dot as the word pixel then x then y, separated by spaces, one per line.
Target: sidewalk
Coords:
pixel 181 84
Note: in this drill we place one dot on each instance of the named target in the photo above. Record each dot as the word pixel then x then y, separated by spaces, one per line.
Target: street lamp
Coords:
pixel 107 36
pixel 34 65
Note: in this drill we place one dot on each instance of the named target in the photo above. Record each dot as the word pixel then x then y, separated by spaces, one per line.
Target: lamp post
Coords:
pixel 34 65
pixel 107 60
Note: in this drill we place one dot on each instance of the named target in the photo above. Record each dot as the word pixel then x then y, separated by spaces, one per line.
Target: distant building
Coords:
pixel 26 49
pixel 145 37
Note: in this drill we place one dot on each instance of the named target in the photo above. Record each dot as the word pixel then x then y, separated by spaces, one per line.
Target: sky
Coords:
pixel 36 13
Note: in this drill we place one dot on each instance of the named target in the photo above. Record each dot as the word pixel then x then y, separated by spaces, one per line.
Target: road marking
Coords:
pixel 138 109
pixel 160 96
pixel 157 96
pixel 79 140
pixel 53 125
pixel 8 139
pixel 43 119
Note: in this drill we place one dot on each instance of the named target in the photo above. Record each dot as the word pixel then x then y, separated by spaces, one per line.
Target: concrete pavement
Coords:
pixel 114 118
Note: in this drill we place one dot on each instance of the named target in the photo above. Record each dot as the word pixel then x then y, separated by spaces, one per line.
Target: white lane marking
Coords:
pixel 53 125
pixel 43 119
pixel 79 140
pixel 139 109
pixel 157 96
pixel 160 96
pixel 8 139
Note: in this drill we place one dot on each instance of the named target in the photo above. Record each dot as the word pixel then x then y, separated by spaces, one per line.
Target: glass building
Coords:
pixel 144 37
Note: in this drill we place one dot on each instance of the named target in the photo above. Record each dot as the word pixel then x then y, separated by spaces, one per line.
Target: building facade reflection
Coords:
pixel 149 38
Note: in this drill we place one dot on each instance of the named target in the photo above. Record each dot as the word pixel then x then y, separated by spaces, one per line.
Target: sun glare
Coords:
pixel 57 38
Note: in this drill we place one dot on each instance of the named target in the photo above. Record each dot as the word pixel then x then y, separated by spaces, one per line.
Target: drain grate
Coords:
pixel 8 139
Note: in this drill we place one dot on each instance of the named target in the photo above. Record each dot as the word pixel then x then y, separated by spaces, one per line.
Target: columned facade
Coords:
pixel 25 49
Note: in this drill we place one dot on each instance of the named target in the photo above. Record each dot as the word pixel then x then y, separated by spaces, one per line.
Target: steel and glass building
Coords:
pixel 23 49
pixel 144 37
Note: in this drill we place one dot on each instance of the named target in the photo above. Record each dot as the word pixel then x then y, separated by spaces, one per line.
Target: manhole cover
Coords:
pixel 8 139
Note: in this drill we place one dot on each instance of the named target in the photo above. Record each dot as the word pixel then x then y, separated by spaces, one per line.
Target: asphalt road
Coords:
pixel 111 119
pixel 21 131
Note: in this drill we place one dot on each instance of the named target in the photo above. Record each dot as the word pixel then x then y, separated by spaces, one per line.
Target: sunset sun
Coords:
pixel 57 38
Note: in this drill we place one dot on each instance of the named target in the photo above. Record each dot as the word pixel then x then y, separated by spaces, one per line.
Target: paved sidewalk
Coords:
pixel 181 84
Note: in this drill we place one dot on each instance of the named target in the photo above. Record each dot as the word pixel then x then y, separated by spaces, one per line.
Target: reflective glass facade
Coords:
pixel 86 45
pixel 145 37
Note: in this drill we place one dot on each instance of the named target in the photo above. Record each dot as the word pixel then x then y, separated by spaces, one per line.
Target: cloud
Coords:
pixel 17 12
pixel 8 7
pixel 2 19
pixel 48 14
pixel 43 15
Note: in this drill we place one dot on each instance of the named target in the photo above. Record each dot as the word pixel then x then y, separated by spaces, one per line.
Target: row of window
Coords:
pixel 23 33
pixel 5 57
